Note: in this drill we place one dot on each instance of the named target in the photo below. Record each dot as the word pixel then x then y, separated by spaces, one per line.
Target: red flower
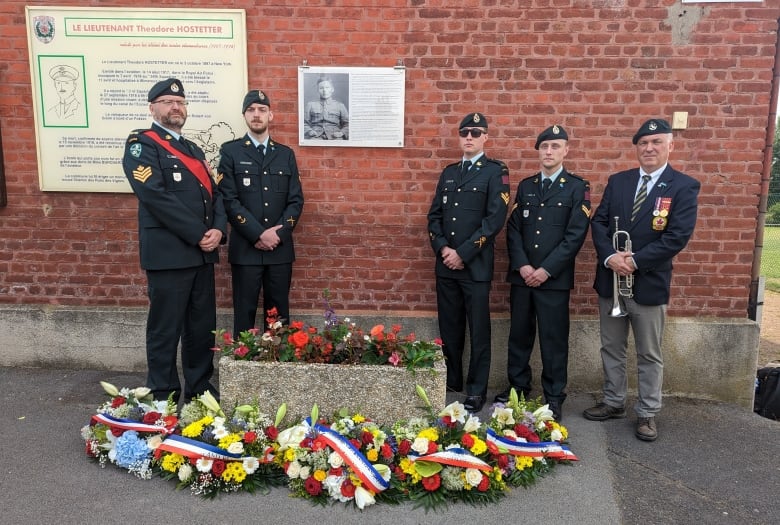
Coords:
pixel 431 483
pixel 272 432
pixel 312 486
pixel 448 422
pixel 355 443
pixel 299 339
pixel 404 447
pixel 151 417
pixel 250 437
pixel 170 421
pixel 386 450
pixel 118 402
pixel 227 338
pixel 218 467
pixel 296 325
pixel 241 351
pixel 484 484
pixel 117 431
pixel 432 447
pixel 467 440
pixel 377 332
pixel 493 449
pixel 348 489
pixel 503 461
pixel 254 331
pixel 366 437
pixel 336 471
pixel 89 449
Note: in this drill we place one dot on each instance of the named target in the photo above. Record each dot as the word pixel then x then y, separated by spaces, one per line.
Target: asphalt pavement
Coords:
pixel 713 463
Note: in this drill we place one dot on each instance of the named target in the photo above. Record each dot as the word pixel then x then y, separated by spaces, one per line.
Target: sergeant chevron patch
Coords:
pixel 505 197
pixel 142 173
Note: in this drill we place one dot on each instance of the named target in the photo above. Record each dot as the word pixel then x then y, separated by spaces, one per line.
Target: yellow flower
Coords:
pixel 372 455
pixel 320 475
pixel 479 447
pixel 172 462
pixel 234 471
pixel 357 418
pixel 192 430
pixel 355 480
pixel 289 454
pixel 225 442
pixel 431 434
pixel 523 462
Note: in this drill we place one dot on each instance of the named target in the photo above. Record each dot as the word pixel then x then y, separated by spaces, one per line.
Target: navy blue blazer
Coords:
pixel 656 235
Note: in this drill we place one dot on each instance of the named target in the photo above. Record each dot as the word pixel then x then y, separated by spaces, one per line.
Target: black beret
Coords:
pixel 171 86
pixel 255 96
pixel 652 127
pixel 474 120
pixel 554 132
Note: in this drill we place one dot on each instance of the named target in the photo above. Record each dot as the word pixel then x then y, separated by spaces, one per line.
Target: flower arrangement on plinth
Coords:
pixel 127 428
pixel 340 341
pixel 445 457
pixel 214 453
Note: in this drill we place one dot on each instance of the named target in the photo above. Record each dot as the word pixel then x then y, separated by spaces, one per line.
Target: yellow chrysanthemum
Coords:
pixel 564 431
pixel 227 440
pixel 192 430
pixel 523 462
pixel 320 475
pixel 431 434
pixel 234 471
pixel 372 455
pixel 357 418
pixel 289 454
pixel 172 462
pixel 479 447
pixel 355 480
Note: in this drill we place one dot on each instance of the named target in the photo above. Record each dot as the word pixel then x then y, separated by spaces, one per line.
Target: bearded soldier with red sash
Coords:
pixel 181 223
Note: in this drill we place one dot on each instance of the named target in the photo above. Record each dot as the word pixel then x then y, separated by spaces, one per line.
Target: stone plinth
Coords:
pixel 380 392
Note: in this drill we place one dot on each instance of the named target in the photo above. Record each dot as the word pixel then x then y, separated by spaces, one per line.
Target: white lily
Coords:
pixel 291 437
pixel 556 435
pixel 456 410
pixel 208 400
pixel 363 497
pixel 505 416
pixel 472 424
pixel 141 392
pixel 543 413
pixel 110 389
pixel 280 413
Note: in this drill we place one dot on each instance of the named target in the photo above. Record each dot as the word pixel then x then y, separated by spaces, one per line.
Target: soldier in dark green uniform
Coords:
pixel 261 187
pixel 545 231
pixel 467 212
pixel 181 223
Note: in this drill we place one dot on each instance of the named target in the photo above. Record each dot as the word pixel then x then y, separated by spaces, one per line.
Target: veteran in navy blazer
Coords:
pixel 468 210
pixel 657 206
pixel 261 186
pixel 181 223
pixel 545 231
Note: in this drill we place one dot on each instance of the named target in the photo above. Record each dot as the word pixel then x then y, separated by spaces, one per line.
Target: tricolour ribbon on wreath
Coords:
pixel 129 424
pixel 193 449
pixel 359 464
pixel 454 457
pixel 550 449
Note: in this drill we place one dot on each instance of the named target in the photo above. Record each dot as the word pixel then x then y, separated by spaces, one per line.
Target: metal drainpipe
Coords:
pixel 766 175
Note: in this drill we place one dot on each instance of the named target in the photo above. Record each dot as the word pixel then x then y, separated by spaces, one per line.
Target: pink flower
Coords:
pixel 241 351
pixel 394 359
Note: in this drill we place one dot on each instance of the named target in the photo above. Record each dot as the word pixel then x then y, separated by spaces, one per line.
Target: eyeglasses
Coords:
pixel 475 132
pixel 171 103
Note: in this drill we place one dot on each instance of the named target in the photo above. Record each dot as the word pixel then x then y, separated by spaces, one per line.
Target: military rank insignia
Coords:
pixel 141 173
pixel 481 241
pixel 505 197
pixel 218 177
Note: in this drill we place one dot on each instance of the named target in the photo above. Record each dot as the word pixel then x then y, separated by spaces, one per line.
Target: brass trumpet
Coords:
pixel 622 286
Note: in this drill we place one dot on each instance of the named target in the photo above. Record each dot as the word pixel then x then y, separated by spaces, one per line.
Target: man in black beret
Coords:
pixel 656 206
pixel 181 223
pixel 545 231
pixel 467 212
pixel 261 187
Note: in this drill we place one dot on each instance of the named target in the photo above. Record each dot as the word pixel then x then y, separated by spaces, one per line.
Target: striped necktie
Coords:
pixel 640 196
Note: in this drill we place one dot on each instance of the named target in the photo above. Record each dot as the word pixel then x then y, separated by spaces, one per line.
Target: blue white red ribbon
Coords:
pixel 454 457
pixel 550 449
pixel 359 464
pixel 129 424
pixel 193 449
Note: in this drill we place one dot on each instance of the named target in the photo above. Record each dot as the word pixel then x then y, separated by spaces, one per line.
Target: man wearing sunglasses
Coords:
pixel 181 223
pixel 467 212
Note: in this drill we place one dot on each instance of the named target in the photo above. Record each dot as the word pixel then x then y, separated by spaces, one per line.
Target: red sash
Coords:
pixel 197 167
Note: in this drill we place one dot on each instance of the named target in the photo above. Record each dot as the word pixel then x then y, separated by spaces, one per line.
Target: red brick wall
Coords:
pixel 597 67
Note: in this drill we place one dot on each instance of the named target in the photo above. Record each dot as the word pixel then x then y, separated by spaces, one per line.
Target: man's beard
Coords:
pixel 258 128
pixel 174 120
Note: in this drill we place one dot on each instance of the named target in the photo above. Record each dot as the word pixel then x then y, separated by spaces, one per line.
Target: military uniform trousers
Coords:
pixel 461 301
pixel 545 311
pixel 181 306
pixel 248 279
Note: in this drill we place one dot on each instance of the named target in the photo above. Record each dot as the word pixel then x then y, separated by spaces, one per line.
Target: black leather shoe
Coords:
pixel 555 407
pixel 474 403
